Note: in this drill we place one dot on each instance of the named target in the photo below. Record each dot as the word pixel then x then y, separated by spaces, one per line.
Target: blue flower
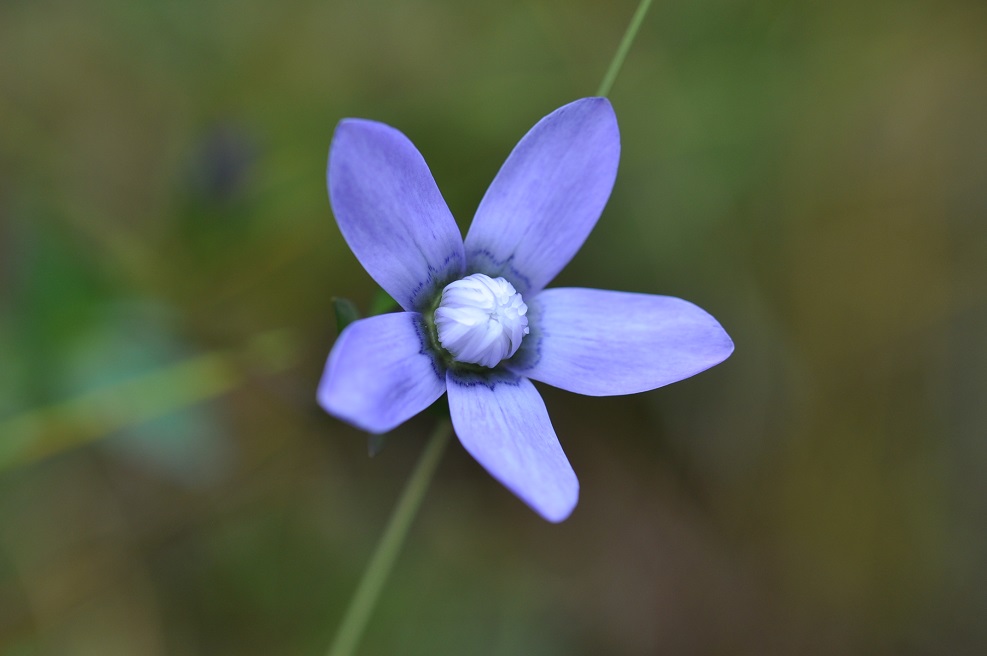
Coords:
pixel 478 322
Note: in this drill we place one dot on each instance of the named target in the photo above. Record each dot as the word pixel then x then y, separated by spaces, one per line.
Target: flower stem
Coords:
pixel 623 48
pixel 363 601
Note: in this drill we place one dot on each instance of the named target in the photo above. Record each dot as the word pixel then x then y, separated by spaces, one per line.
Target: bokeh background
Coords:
pixel 812 173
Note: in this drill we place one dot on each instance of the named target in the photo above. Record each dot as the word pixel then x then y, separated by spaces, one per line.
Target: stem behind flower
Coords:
pixel 374 577
pixel 623 48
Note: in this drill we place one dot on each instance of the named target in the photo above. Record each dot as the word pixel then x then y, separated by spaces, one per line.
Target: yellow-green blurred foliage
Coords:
pixel 812 173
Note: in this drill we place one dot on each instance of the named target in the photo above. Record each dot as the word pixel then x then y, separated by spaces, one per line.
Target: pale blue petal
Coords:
pixel 380 372
pixel 603 343
pixel 547 197
pixel 502 422
pixel 391 212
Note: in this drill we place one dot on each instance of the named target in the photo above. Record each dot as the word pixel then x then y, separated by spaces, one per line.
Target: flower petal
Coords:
pixel 501 420
pixel 380 372
pixel 391 212
pixel 603 343
pixel 547 197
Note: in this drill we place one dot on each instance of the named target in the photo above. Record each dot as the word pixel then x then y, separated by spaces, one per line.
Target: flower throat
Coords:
pixel 480 320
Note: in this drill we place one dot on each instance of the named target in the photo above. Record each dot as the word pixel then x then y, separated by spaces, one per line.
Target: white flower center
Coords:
pixel 481 319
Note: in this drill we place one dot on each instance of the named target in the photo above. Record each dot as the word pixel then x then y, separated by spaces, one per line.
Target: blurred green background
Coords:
pixel 813 174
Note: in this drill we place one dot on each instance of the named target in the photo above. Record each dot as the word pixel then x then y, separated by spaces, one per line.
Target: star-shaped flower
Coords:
pixel 478 322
